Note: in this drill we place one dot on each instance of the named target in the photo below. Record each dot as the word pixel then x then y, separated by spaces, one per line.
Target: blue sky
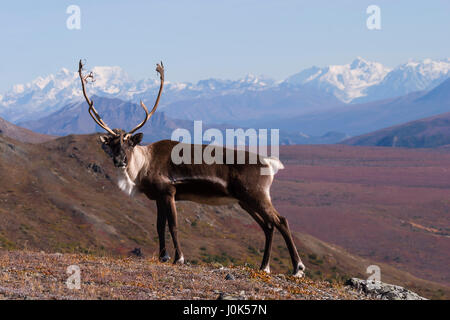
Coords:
pixel 209 38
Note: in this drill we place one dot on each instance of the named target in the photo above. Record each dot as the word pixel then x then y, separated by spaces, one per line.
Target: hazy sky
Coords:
pixel 211 38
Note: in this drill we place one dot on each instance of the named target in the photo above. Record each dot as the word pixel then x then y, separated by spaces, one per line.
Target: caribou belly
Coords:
pixel 205 190
pixel 213 200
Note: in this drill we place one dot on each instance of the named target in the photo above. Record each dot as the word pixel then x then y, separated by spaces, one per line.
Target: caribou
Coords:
pixel 150 170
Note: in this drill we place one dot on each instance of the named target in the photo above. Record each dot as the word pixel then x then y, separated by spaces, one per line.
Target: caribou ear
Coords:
pixel 104 139
pixel 136 139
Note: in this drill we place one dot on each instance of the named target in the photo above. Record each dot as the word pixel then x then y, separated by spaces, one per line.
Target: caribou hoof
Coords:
pixel 179 260
pixel 299 272
pixel 266 269
pixel 164 258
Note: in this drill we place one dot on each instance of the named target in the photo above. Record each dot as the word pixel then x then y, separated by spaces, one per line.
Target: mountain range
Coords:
pixel 74 118
pixel 357 119
pixel 313 89
pixel 346 82
pixel 46 95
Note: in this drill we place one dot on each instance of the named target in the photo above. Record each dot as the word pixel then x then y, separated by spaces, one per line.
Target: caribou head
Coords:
pixel 118 143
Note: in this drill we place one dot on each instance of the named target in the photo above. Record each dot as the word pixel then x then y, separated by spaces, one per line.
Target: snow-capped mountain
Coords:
pixel 409 77
pixel 45 95
pixel 358 81
pixel 347 82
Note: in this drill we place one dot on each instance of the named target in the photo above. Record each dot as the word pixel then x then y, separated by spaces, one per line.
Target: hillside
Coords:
pixel 61 196
pixel 430 132
pixel 21 134
pixel 32 275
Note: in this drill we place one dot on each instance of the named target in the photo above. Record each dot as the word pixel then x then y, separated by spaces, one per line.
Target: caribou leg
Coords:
pixel 262 204
pixel 268 232
pixel 170 210
pixel 282 225
pixel 161 221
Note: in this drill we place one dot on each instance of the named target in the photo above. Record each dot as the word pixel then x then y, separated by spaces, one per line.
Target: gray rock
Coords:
pixel 229 277
pixel 381 290
pixel 56 254
pixel 223 296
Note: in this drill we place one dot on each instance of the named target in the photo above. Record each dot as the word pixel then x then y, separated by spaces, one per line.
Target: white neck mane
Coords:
pixel 129 175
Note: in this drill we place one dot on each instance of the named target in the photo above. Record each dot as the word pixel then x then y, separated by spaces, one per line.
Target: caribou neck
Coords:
pixel 138 162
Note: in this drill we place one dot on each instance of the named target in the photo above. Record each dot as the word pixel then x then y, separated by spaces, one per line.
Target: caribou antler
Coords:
pixel 94 114
pixel 160 70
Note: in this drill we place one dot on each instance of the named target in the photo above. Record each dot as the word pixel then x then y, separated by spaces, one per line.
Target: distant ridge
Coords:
pixel 75 119
pixel 429 132
pixel 21 134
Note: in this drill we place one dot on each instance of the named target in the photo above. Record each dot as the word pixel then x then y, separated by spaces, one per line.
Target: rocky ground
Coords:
pixel 39 275
pixel 383 291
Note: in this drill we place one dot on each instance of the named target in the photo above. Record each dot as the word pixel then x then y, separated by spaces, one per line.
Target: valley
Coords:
pixel 385 204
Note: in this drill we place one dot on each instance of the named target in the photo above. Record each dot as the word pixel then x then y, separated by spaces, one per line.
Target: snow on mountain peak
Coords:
pixel 346 82
pixel 111 80
pixel 106 73
pixel 363 80
pixel 360 80
pixel 250 78
pixel 358 63
pixel 428 67
pixel 64 72
pixel 257 80
pixel 47 94
pixel 18 88
pixel 248 82
pixel 411 76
